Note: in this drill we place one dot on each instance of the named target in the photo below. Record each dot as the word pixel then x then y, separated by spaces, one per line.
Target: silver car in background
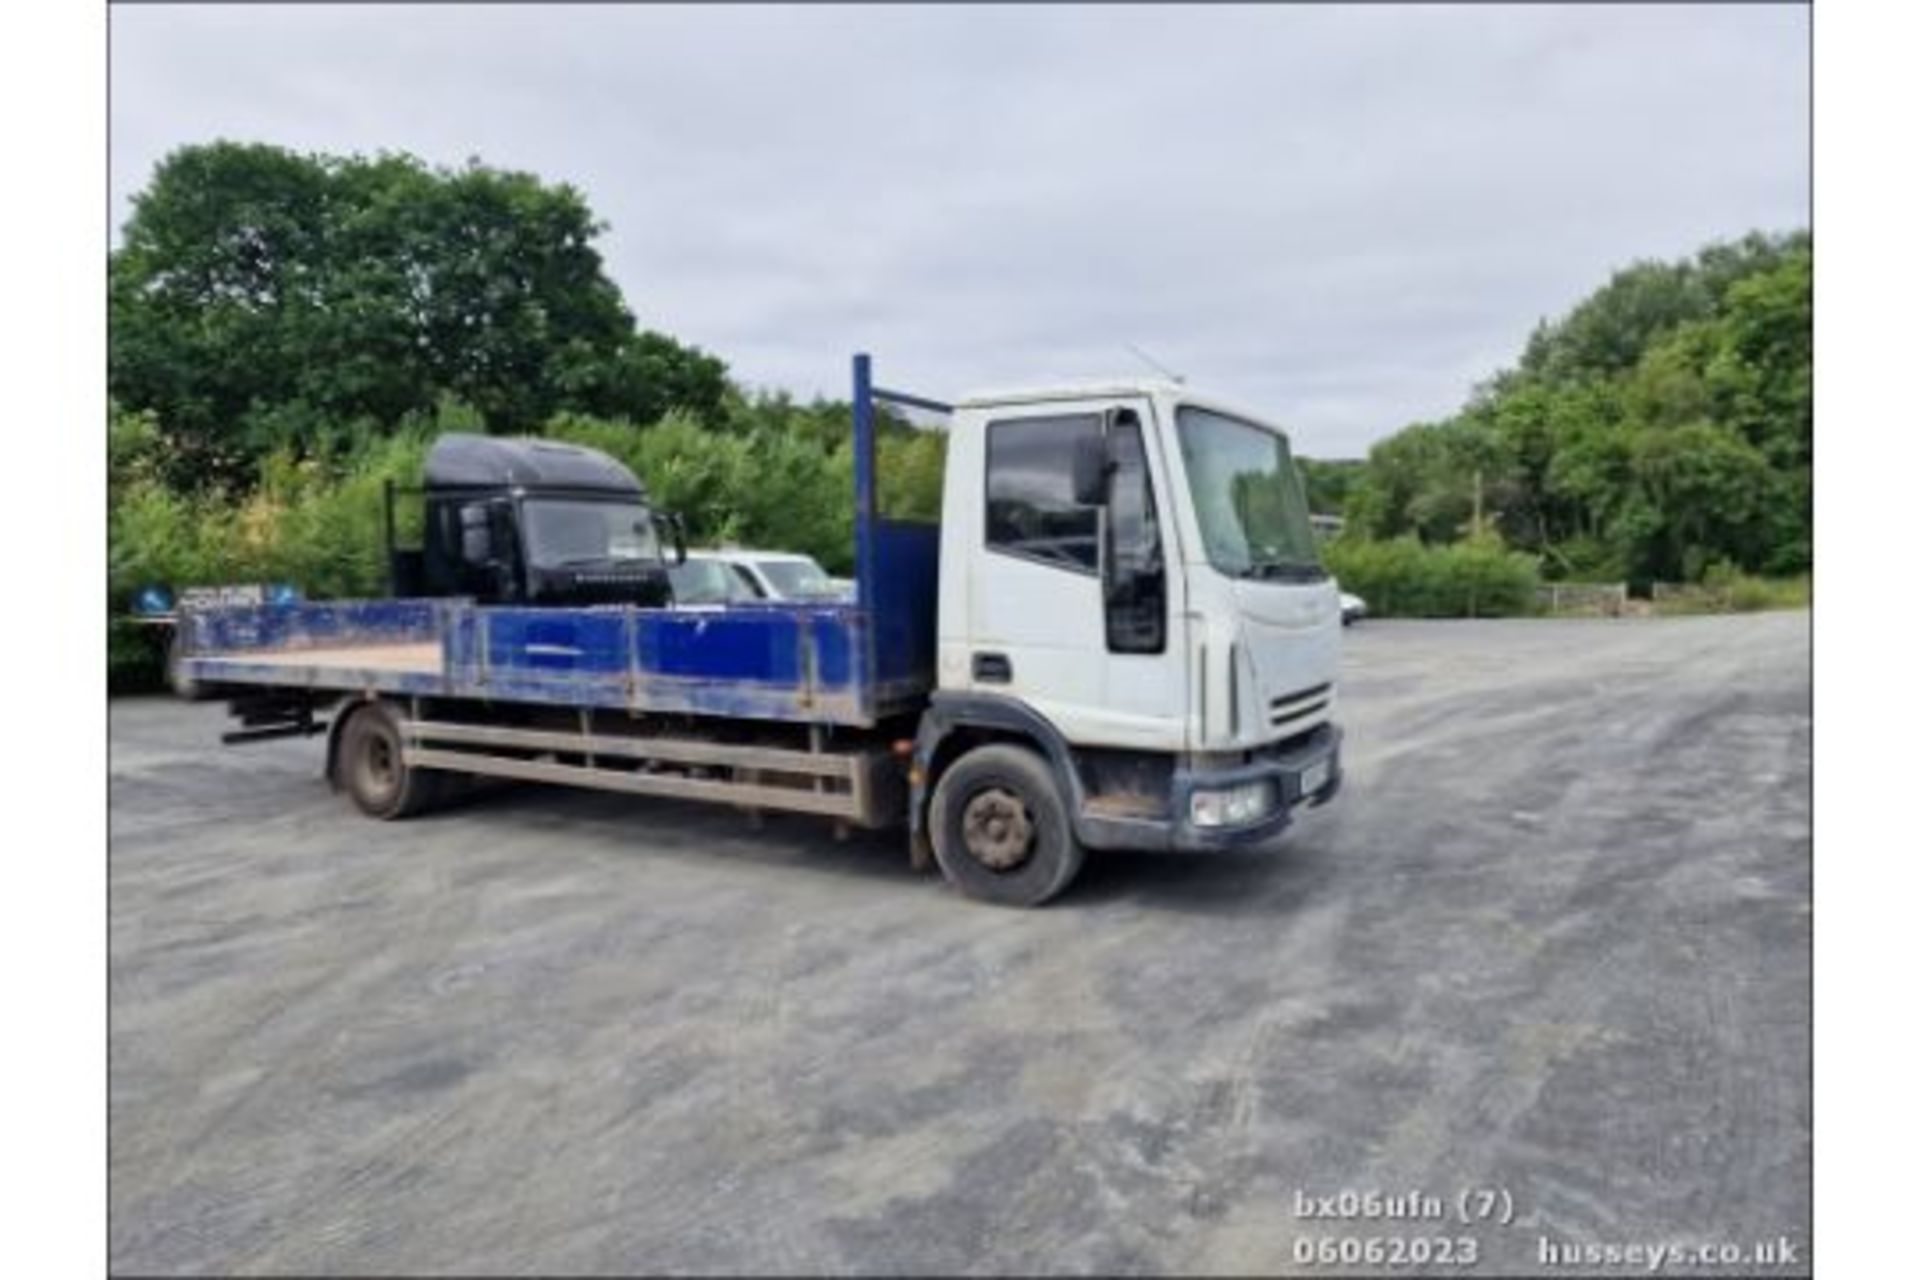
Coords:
pixel 759 575
pixel 1352 607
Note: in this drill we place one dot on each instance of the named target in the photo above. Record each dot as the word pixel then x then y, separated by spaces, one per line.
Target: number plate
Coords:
pixel 1314 777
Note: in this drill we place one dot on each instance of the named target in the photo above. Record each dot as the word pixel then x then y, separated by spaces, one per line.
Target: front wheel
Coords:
pixel 373 765
pixel 1000 827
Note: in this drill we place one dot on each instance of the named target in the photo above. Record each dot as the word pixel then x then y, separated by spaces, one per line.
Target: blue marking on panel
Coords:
pixel 587 641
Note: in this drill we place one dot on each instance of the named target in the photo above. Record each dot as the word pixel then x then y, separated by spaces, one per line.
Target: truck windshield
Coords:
pixel 564 531
pixel 1247 498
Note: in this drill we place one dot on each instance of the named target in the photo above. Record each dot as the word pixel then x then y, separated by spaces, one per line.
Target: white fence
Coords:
pixel 1591 599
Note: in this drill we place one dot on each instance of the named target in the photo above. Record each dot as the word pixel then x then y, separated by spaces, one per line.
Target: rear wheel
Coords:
pixel 1000 827
pixel 373 765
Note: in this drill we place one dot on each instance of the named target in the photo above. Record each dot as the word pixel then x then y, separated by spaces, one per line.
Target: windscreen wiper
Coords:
pixel 605 557
pixel 1287 570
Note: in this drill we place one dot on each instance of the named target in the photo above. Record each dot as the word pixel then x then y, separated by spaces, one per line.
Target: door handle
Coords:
pixel 992 668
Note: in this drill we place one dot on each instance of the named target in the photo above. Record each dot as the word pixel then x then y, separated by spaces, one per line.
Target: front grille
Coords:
pixel 1291 708
pixel 644 587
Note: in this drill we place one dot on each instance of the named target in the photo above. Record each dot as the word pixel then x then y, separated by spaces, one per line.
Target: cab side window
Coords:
pixel 1030 506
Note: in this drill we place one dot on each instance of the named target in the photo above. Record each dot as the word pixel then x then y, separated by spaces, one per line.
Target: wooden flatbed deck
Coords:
pixel 413 659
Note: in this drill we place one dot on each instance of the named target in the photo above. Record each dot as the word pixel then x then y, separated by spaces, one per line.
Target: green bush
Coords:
pixel 765 488
pixel 1402 577
pixel 1725 589
pixel 322 527
pixel 317 524
pixel 136 656
pixel 1747 593
pixel 1751 594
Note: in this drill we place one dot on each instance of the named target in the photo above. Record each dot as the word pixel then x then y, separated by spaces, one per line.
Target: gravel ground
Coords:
pixel 1552 940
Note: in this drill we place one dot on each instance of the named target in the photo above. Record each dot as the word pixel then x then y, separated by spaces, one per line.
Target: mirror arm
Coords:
pixel 679 530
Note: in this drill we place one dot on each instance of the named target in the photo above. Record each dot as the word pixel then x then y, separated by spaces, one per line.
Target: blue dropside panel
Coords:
pixel 837 647
pixel 772 661
pixel 310 626
pixel 261 644
pixel 762 645
pixel 573 656
pixel 906 602
pixel 787 661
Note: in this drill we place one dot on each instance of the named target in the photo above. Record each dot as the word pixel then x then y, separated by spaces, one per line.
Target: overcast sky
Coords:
pixel 1342 217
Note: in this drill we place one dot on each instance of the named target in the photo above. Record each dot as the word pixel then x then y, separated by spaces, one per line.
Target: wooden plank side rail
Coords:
pixel 472 748
pixel 675 750
pixel 832 804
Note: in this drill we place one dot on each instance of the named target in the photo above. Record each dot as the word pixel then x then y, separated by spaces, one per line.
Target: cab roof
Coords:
pixel 461 460
pixel 1113 389
pixel 1109 388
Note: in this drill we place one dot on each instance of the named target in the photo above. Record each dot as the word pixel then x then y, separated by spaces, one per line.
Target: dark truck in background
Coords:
pixel 527 521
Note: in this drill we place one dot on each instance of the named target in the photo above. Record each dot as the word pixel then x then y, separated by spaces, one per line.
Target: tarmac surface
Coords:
pixel 1549 950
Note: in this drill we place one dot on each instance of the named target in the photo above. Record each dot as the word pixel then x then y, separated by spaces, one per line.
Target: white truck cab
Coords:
pixel 1129 578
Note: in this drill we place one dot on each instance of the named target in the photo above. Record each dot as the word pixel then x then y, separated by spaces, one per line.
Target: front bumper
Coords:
pixel 1284 767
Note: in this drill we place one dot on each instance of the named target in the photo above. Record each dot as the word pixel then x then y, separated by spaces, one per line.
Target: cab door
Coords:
pixel 1034 626
pixel 1063 609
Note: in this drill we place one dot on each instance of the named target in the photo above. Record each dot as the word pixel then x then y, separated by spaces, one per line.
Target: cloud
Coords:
pixel 1342 216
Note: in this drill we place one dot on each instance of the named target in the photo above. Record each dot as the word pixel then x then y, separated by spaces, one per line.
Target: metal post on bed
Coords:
pixel 864 509
pixel 894 583
pixel 864 483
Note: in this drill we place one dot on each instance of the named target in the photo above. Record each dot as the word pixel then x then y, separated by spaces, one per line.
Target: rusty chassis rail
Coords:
pixel 856 786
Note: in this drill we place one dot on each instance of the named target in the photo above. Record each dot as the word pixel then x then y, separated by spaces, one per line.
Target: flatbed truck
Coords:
pixel 1118 635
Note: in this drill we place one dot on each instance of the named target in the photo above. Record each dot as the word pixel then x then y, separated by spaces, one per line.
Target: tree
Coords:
pixel 264 299
pixel 1607 333
pixel 1664 424
pixel 1329 481
pixel 1710 490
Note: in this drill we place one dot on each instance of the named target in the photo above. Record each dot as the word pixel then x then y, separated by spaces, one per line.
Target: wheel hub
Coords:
pixel 998 829
pixel 380 761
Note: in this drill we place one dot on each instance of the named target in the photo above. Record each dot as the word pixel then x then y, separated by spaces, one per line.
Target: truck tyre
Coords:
pixel 372 765
pixel 1000 827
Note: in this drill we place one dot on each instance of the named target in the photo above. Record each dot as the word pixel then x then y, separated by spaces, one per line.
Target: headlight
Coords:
pixel 1232 806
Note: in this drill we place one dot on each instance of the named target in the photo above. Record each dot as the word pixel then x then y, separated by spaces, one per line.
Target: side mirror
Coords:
pixel 678 528
pixel 1092 468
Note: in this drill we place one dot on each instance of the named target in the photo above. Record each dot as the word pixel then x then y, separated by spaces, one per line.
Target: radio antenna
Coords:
pixel 1155 364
